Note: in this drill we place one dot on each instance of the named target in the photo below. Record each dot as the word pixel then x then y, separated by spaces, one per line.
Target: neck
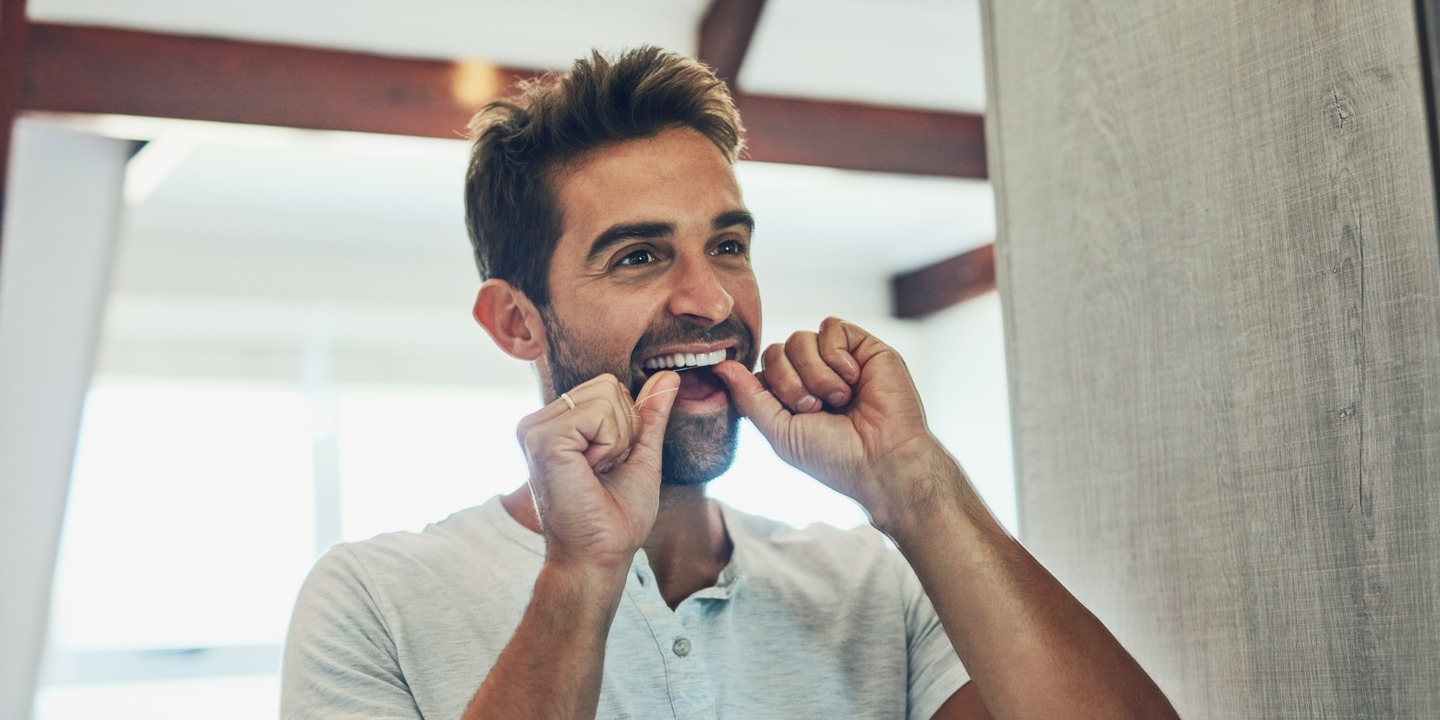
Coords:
pixel 688 547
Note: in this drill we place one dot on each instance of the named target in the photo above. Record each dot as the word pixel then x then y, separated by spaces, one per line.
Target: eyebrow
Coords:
pixel 625 232
pixel 616 234
pixel 733 218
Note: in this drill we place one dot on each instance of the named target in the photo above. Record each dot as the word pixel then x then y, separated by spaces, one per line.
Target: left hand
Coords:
pixel 867 438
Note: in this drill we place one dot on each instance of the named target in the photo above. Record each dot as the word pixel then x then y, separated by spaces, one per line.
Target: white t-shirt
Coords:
pixel 812 623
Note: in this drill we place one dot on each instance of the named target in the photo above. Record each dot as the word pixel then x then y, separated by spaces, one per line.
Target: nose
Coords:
pixel 698 295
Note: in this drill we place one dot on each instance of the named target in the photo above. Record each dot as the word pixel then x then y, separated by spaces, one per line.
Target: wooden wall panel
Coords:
pixel 1218 260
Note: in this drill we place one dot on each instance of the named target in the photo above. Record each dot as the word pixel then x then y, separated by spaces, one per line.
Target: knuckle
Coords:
pixel 771 357
pixel 801 339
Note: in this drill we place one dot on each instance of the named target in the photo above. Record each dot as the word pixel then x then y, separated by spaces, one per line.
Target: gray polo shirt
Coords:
pixel 812 623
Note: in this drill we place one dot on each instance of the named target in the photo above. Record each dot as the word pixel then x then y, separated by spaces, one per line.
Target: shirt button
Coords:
pixel 681 647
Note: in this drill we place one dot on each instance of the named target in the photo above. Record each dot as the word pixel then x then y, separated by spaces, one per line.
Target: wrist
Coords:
pixel 587 571
pixel 933 497
pixel 912 483
pixel 587 591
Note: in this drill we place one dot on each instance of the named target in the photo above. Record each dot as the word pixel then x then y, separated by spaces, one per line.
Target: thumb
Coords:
pixel 754 401
pixel 657 396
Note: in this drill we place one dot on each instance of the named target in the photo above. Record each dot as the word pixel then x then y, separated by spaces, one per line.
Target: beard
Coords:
pixel 698 448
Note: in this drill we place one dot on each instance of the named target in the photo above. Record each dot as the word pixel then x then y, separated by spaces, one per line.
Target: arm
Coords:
pixel 595 477
pixel 1031 648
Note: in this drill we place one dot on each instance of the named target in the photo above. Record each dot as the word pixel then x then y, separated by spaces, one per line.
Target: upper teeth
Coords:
pixel 685 360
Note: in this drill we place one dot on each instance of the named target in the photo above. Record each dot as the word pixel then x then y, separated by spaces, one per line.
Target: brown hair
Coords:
pixel 519 144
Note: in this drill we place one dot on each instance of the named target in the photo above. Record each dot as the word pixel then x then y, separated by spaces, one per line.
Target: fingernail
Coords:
pixel 807 403
pixel 837 398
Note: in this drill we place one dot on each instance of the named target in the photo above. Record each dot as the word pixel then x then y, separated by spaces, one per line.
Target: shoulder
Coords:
pixel 450 548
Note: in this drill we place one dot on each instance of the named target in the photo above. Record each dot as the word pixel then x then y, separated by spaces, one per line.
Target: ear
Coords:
pixel 511 319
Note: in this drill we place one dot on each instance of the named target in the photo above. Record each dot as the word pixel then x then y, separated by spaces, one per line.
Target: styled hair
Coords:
pixel 520 144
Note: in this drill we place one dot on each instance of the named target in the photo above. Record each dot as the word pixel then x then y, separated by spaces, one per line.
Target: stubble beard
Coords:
pixel 698 448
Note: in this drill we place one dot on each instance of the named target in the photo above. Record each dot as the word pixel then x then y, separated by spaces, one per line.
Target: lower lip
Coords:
pixel 717 400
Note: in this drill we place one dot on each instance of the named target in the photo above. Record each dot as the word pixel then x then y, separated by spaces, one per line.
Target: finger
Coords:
pixel 652 409
pixel 754 401
pixel 783 379
pixel 598 426
pixel 836 340
pixel 605 398
pixel 819 379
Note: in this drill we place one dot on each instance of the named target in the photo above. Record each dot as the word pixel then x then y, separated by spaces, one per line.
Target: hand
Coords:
pixel 867 439
pixel 595 469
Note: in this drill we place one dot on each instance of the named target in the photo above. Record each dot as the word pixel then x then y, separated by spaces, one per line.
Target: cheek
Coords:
pixel 605 335
pixel 746 294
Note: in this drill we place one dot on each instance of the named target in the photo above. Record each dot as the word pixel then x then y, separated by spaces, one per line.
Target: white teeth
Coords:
pixel 683 360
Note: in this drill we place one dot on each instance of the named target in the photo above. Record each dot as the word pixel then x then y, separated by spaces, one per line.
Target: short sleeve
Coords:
pixel 935 669
pixel 340 661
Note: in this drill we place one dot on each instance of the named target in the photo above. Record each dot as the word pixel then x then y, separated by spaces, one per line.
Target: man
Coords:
pixel 615 243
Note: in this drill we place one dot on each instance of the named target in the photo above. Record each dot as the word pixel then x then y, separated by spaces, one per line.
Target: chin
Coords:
pixel 699 449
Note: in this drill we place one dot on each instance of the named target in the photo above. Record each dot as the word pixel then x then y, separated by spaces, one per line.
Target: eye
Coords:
pixel 730 247
pixel 642 256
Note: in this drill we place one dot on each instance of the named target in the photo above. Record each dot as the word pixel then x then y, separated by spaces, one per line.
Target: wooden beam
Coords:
pixel 106 71
pixel 943 284
pixel 863 137
pixel 14 25
pixel 725 35
pixel 97 70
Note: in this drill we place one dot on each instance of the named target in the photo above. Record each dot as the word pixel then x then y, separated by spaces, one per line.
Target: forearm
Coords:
pixel 552 666
pixel 1032 649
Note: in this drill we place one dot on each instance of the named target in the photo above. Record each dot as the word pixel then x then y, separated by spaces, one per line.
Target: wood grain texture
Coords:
pixel 1218 260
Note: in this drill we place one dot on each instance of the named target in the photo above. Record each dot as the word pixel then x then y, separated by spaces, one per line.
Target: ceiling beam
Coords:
pixel 725 34
pixel 13 28
pixel 863 137
pixel 124 72
pixel 99 70
pixel 106 71
pixel 948 282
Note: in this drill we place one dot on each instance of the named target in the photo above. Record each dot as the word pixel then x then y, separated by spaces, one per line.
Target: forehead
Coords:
pixel 677 176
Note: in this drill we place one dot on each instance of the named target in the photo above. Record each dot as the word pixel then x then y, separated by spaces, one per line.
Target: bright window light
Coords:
pixel 190 520
pixel 763 484
pixel 226 698
pixel 409 459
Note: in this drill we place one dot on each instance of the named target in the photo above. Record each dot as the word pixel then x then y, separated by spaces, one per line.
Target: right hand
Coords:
pixel 595 470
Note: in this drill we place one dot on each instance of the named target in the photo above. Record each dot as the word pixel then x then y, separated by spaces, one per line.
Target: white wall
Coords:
pixel 60 220
pixel 962 378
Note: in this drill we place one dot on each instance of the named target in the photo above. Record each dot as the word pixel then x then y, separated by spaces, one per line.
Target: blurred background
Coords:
pixel 287 359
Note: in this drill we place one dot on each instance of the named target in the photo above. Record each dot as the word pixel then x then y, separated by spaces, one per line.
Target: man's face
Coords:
pixel 654 261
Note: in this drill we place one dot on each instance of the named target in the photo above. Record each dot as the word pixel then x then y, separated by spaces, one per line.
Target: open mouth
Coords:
pixel 702 383
pixel 683 361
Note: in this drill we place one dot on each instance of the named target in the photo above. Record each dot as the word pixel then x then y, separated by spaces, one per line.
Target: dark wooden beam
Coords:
pixel 14 25
pixel 725 34
pixel 945 283
pixel 863 137
pixel 97 70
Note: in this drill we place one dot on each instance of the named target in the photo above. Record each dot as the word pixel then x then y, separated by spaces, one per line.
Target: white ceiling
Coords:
pixel 228 214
